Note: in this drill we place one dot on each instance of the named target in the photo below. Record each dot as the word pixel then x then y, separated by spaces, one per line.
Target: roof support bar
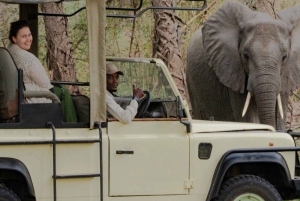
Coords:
pixel 149 8
pixel 130 9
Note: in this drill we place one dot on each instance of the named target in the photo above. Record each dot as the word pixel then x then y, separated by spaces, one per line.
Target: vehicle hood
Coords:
pixel 201 126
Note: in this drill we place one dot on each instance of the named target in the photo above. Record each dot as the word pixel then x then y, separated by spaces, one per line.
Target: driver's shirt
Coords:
pixel 113 108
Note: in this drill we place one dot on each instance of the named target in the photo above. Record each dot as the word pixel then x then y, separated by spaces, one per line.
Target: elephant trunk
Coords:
pixel 266 96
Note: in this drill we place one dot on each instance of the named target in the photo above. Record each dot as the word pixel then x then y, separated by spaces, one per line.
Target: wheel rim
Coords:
pixel 249 197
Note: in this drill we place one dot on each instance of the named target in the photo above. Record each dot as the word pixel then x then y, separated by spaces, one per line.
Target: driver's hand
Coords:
pixel 137 92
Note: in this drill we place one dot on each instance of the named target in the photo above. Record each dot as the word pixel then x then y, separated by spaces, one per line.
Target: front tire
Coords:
pixel 8 195
pixel 248 188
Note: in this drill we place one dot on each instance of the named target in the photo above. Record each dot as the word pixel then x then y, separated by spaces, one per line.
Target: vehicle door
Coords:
pixel 148 158
pixel 150 155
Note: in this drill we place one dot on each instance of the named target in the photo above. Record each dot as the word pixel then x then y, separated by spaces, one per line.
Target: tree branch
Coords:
pixel 199 14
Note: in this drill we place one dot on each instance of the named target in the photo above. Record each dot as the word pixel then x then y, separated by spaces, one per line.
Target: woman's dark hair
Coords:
pixel 15 27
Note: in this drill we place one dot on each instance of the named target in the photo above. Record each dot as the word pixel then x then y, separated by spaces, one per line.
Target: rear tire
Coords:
pixel 248 188
pixel 8 195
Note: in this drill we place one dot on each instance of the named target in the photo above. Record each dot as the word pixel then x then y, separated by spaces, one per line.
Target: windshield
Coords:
pixel 148 77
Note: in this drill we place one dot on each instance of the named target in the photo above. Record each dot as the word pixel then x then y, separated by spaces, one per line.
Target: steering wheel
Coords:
pixel 143 105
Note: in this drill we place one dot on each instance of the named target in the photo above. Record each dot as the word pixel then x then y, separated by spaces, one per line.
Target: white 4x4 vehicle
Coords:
pixel 162 155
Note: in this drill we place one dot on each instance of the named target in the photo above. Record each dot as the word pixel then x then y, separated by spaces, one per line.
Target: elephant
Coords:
pixel 242 65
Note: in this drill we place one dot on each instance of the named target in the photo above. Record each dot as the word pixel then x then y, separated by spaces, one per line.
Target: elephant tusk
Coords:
pixel 246 104
pixel 280 105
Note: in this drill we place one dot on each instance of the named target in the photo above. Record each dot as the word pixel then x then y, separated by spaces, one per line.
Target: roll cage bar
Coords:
pixel 132 9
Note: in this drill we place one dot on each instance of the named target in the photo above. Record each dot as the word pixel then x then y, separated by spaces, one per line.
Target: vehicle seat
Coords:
pixel 28 115
pixel 82 107
pixel 8 86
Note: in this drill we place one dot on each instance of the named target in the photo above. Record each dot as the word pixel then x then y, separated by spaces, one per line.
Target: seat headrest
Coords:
pixel 8 85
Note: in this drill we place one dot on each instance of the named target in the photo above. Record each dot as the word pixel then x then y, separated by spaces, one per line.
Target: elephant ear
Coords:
pixel 221 34
pixel 291 71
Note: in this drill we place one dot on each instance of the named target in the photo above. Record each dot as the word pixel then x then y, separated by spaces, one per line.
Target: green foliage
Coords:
pixel 8 13
pixel 146 76
pixel 77 28
pixel 283 4
pixel 77 32
pixel 119 32
pixel 42 42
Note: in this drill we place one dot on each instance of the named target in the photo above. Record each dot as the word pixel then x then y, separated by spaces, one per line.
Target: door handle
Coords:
pixel 124 152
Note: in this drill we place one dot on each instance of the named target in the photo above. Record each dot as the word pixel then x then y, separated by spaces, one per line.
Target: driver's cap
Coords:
pixel 112 69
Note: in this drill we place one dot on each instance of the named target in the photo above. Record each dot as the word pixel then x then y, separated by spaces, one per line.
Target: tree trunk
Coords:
pixel 167 43
pixel 59 46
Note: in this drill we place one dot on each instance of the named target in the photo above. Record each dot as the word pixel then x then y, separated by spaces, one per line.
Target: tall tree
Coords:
pixel 59 47
pixel 167 43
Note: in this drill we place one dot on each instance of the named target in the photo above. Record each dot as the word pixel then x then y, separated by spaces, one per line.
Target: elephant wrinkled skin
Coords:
pixel 240 51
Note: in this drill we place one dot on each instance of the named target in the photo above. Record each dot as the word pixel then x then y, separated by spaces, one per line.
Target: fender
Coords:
pixel 16 165
pixel 230 159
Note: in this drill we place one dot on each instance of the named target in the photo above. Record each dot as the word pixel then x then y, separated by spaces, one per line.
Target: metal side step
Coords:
pixel 55 176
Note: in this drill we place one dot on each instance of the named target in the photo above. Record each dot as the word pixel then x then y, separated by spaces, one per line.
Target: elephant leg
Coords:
pixel 237 104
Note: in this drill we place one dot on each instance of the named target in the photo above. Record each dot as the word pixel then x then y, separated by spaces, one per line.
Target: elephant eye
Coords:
pixel 284 57
pixel 246 56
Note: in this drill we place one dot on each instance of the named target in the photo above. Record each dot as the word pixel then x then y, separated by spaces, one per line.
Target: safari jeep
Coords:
pixel 162 155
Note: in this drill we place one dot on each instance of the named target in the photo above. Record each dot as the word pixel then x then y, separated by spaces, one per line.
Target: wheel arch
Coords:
pixel 10 168
pixel 235 163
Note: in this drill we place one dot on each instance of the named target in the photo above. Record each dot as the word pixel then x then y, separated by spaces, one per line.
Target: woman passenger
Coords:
pixel 34 74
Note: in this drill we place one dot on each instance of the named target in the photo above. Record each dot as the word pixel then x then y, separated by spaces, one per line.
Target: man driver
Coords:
pixel 112 107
